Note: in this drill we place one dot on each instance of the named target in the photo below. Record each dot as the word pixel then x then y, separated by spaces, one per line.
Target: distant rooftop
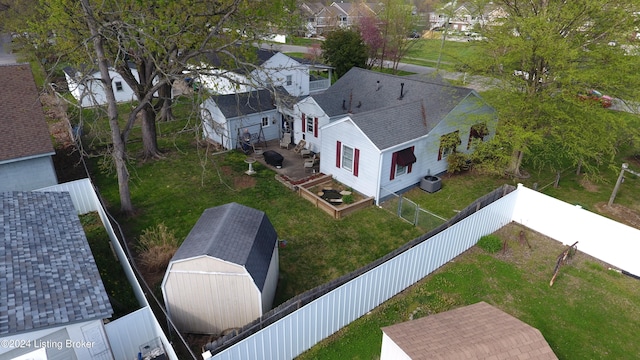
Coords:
pixel 478 331
pixel 48 276
pixel 24 132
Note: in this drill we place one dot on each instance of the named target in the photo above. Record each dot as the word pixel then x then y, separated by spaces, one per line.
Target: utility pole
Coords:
pixel 625 167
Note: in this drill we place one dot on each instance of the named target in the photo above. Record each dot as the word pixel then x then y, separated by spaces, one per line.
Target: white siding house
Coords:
pixel 272 69
pixel 227 118
pixel 225 273
pixel 377 131
pixel 86 87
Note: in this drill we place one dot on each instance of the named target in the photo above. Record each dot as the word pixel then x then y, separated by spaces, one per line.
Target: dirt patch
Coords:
pixel 588 185
pixel 244 182
pixel 619 213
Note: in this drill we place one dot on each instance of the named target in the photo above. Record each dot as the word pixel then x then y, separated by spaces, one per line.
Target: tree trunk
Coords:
pixel 149 138
pixel 516 162
pixel 166 114
pixel 119 149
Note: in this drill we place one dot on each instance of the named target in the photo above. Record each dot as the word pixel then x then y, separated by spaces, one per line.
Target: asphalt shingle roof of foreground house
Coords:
pixel 48 276
pixel 24 128
pixel 478 331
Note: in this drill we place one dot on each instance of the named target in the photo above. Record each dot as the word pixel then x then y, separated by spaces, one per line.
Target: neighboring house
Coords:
pixel 52 299
pixel 272 68
pixel 349 13
pixel 315 20
pixel 381 133
pixel 465 16
pixel 86 86
pixel 225 273
pixel 25 143
pixel 478 331
pixel 227 119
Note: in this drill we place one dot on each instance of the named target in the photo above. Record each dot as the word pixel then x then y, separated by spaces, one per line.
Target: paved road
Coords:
pixel 6 57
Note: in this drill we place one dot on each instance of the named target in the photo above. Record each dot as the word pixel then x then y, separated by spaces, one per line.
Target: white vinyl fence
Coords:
pixel 297 332
pixel 125 334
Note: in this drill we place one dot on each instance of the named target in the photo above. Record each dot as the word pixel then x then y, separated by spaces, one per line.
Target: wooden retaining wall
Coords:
pixel 336 212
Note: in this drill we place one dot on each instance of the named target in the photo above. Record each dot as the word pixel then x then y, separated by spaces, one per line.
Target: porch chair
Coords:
pixel 285 141
pixel 310 163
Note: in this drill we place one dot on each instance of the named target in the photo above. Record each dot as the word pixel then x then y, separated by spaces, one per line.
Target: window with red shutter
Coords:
pixel 356 161
pixel 338 153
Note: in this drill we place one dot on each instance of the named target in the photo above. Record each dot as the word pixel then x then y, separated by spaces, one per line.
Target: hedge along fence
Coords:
pixel 336 211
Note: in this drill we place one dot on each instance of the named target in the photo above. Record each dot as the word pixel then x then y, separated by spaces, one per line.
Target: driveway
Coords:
pixel 6 57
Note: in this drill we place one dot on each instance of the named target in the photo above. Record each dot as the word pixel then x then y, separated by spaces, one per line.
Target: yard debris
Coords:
pixel 523 239
pixel 562 259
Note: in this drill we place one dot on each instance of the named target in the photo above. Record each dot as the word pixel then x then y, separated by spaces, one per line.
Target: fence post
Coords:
pixel 399 210
pixel 615 188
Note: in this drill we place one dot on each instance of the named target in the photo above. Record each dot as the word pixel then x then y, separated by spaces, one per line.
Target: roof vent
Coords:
pixel 401 91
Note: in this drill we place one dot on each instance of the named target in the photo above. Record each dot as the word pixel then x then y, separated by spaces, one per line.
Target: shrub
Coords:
pixel 490 243
pixel 156 247
pixel 457 162
pixel 347 199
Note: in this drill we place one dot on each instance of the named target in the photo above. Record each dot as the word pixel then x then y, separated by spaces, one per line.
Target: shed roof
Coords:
pixel 478 331
pixel 252 102
pixel 24 129
pixel 48 276
pixel 361 90
pixel 234 233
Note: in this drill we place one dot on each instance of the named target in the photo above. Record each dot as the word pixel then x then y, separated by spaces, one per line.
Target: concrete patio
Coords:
pixel 292 165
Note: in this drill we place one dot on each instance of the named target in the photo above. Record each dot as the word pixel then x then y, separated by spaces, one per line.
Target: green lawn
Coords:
pixel 176 190
pixel 452 56
pixel 589 313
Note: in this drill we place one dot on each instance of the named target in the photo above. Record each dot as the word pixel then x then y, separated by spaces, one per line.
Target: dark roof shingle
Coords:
pixel 48 276
pixel 234 233
pixel 24 129
pixel 252 102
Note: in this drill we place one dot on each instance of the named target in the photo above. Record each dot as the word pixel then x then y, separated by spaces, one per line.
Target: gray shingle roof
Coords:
pixel 24 129
pixel 48 276
pixel 252 102
pixel 395 124
pixel 361 90
pixel 374 102
pixel 478 331
pixel 234 233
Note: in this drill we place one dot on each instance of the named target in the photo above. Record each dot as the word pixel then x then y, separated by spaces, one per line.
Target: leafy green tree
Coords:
pixel 161 38
pixel 397 22
pixel 547 53
pixel 344 49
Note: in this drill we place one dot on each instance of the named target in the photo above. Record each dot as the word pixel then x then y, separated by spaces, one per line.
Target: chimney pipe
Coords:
pixel 401 91
pixel 344 107
pixel 377 85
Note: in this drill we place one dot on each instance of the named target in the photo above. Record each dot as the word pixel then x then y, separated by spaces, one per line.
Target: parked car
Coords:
pixel 594 95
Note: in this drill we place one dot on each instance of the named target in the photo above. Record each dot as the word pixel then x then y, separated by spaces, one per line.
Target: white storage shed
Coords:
pixel 225 273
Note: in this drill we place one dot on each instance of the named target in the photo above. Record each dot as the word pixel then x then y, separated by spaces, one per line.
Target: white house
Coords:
pixel 86 86
pixel 272 69
pixel 381 133
pixel 225 273
pixel 228 119
pixel 52 300
pixel 25 143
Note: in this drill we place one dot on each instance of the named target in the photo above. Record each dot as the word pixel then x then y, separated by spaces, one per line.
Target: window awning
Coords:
pixel 405 157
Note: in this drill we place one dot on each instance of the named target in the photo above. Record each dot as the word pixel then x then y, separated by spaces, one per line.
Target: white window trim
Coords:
pixel 347 163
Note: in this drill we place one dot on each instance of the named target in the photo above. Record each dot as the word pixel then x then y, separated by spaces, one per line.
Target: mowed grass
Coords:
pixel 589 313
pixel 176 190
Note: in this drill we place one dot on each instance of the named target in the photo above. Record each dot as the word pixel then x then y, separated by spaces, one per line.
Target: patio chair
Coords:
pixel 285 141
pixel 310 163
